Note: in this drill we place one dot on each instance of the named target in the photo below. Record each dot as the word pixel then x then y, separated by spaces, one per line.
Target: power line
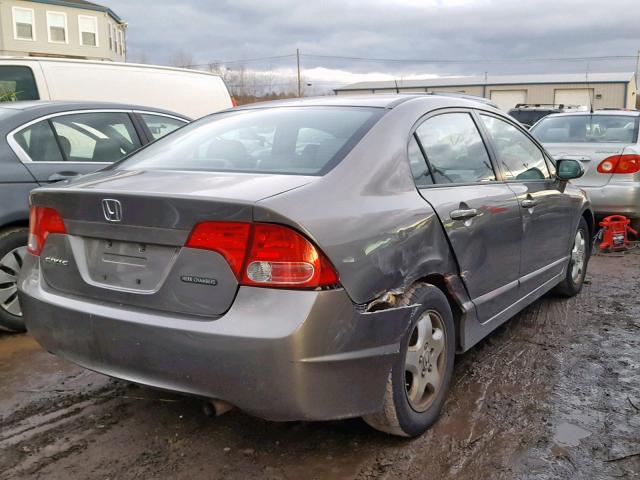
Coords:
pixel 243 60
pixel 474 60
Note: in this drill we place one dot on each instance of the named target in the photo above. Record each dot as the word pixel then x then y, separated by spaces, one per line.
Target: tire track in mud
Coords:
pixel 560 361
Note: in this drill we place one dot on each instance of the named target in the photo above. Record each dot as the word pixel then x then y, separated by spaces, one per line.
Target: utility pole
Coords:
pixel 299 81
pixel 637 67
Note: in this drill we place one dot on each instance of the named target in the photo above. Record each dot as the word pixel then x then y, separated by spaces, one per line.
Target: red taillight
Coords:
pixel 280 256
pixel 234 102
pixel 629 163
pixel 266 255
pixel 229 239
pixel 42 222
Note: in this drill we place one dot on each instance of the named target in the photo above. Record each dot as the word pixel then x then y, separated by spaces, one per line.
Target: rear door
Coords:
pixel 546 210
pixel 67 145
pixel 479 213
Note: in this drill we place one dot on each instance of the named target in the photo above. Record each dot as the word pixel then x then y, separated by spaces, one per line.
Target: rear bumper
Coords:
pixel 277 354
pixel 622 198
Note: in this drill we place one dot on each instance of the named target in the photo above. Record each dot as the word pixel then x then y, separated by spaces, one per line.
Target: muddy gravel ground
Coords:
pixel 555 393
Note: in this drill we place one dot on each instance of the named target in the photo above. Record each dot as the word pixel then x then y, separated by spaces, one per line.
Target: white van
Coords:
pixel 190 92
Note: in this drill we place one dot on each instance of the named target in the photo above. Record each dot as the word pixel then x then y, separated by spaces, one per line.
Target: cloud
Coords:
pixel 479 30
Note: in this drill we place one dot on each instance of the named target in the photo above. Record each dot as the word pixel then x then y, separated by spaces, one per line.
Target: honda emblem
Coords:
pixel 112 210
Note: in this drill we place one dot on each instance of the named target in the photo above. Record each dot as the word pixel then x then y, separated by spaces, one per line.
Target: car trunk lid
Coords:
pixel 590 155
pixel 138 257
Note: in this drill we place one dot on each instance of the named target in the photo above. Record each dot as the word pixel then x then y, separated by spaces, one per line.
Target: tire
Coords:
pixel 13 246
pixel 405 412
pixel 577 268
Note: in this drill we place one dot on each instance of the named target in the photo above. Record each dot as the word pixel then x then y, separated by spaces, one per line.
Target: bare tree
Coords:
pixel 181 59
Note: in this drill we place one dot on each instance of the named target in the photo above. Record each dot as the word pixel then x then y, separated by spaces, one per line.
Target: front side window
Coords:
pixel 39 143
pixel 96 137
pixel 17 83
pixel 455 150
pixel 57 25
pixel 587 129
pixel 519 158
pixel 159 125
pixel 288 140
pixel 88 27
pixel 23 24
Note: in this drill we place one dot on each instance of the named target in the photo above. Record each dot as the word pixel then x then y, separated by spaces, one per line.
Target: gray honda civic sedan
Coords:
pixel 307 260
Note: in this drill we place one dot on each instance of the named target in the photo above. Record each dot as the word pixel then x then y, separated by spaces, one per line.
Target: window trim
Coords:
pixel 443 111
pixel 80 31
pixel 494 153
pixel 24 156
pixel 15 24
pixel 66 27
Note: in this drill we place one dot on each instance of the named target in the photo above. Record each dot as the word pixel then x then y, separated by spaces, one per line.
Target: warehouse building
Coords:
pixel 602 90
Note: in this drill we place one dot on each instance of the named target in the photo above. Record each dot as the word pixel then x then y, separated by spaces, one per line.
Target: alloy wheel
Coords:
pixel 578 256
pixel 10 266
pixel 425 361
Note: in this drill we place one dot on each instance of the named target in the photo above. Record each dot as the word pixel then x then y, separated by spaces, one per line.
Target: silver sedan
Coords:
pixel 312 259
pixel 606 143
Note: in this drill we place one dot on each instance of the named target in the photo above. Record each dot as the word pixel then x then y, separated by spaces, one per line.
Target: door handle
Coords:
pixel 58 176
pixel 463 214
pixel 529 203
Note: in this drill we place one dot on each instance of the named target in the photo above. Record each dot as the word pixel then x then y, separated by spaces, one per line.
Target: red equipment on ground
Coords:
pixel 614 233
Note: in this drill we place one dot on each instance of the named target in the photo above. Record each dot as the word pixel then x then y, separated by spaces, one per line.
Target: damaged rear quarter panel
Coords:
pixel 366 214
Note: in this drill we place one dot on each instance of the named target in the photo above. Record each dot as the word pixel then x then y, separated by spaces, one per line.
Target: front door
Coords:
pixel 546 234
pixel 68 145
pixel 481 216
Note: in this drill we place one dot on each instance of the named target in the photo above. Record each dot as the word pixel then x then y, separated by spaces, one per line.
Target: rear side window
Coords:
pixel 17 83
pixel 96 137
pixel 39 143
pixel 519 158
pixel 419 168
pixel 587 129
pixel 290 140
pixel 455 150
pixel 160 125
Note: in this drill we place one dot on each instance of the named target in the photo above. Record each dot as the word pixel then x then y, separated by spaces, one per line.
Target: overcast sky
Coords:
pixel 478 30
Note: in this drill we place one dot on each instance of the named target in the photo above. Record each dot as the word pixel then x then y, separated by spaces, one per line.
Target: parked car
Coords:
pixel 192 93
pixel 606 143
pixel 529 113
pixel 330 281
pixel 45 142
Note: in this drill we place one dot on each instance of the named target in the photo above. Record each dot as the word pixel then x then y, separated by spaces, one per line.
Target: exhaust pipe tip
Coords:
pixel 215 407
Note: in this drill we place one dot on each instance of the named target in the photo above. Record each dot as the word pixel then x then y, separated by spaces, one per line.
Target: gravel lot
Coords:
pixel 555 393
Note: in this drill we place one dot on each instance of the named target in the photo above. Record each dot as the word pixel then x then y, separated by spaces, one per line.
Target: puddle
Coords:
pixel 569 435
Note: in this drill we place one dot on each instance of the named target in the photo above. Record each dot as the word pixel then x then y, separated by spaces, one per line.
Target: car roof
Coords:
pixel 384 100
pixel 15 114
pixel 51 106
pixel 626 113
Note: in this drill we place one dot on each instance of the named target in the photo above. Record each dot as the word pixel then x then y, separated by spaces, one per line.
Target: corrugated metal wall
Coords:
pixel 612 95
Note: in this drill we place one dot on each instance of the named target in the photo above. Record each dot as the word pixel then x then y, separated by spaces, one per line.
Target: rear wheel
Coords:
pixel 419 380
pixel 13 248
pixel 577 268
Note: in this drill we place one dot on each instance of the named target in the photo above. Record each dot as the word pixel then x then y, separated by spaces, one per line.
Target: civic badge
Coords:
pixel 112 210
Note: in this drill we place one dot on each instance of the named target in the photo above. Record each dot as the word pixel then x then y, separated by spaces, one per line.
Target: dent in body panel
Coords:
pixel 367 216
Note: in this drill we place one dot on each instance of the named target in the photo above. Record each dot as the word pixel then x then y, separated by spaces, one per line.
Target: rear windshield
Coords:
pixel 17 83
pixel 529 117
pixel 288 140
pixel 587 128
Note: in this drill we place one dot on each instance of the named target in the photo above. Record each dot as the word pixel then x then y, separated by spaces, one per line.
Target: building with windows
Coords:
pixel 61 28
pixel 602 90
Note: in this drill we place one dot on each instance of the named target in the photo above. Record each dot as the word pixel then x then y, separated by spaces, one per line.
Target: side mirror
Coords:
pixel 568 169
